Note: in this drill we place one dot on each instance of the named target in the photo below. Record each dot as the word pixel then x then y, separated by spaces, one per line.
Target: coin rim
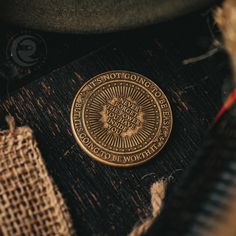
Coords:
pixel 104 161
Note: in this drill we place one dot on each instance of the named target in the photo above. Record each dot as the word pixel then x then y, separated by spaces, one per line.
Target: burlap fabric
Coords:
pixel 30 204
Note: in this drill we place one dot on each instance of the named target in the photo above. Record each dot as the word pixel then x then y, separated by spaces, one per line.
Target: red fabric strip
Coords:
pixel 229 102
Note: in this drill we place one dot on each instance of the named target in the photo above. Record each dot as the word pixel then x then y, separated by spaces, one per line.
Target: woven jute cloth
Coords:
pixel 30 203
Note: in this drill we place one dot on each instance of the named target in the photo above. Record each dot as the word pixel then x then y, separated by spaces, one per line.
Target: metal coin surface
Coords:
pixel 121 118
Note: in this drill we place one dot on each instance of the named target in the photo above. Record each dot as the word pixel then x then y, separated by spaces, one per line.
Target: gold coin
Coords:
pixel 121 118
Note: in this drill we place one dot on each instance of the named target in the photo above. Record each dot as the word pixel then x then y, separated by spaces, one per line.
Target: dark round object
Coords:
pixel 93 16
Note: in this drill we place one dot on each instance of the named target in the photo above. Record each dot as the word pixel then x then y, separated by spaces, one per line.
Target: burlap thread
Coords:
pixel 30 204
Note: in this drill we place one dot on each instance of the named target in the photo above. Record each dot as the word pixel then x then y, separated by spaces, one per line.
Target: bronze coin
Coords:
pixel 121 118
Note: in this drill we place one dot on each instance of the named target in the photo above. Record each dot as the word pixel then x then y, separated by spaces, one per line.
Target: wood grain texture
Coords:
pixel 106 200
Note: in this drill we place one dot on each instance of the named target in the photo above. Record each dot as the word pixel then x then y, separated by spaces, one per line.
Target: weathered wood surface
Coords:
pixel 106 200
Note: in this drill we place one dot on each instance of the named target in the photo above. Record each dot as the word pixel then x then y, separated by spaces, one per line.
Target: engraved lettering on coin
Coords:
pixel 121 118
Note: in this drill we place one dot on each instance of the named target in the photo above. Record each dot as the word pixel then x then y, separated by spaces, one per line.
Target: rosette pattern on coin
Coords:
pixel 121 118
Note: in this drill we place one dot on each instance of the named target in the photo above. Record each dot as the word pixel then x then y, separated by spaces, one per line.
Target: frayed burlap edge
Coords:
pixel 30 203
pixel 157 191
